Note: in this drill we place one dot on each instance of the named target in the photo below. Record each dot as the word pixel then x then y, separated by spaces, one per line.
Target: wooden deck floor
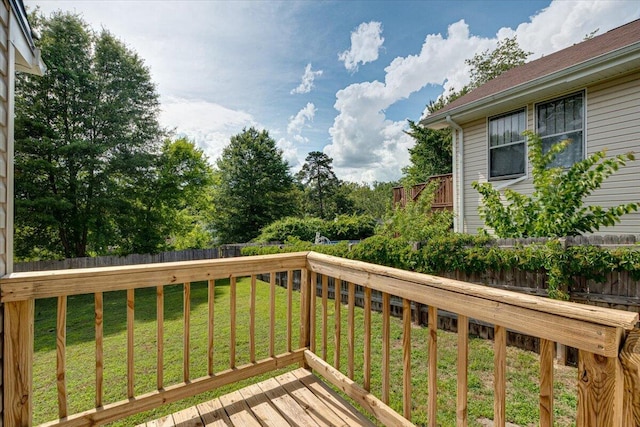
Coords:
pixel 297 398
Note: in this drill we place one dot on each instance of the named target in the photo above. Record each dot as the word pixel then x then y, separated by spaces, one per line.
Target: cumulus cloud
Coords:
pixel 366 42
pixel 297 122
pixel 367 146
pixel 210 125
pixel 365 143
pixel 290 154
pixel 308 78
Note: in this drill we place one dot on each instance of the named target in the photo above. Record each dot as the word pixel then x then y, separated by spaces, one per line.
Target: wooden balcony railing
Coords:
pixel 442 197
pixel 599 334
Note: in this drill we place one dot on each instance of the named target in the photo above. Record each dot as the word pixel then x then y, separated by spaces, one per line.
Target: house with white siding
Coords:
pixel 589 93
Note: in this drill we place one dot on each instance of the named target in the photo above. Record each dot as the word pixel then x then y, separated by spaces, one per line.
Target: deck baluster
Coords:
pixel 462 375
pixel 130 342
pixel 186 333
pixel 61 351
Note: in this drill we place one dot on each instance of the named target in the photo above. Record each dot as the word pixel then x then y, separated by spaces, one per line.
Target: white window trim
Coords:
pixel 584 115
pixel 510 179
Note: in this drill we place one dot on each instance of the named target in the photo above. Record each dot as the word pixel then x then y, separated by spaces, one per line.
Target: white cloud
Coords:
pixel 367 146
pixel 308 78
pixel 290 154
pixel 297 122
pixel 209 125
pixel 564 23
pixel 366 42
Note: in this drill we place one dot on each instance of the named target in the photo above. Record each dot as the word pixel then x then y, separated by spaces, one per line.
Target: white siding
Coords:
pixel 475 169
pixel 612 122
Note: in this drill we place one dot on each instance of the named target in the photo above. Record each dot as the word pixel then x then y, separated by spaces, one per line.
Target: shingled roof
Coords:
pixel 588 50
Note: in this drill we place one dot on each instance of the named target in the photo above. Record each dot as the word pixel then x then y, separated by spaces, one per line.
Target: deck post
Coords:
pixel 630 359
pixel 600 391
pixel 18 354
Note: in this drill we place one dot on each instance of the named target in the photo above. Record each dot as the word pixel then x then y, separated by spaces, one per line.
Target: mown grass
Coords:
pixel 522 371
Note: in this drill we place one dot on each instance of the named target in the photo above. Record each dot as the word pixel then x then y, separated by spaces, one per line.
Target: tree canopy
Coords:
pixel 483 67
pixel 254 187
pixel 91 168
pixel 320 181
pixel 431 154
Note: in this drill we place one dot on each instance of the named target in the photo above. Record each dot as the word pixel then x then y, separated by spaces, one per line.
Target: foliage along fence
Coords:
pixel 224 251
pixel 619 289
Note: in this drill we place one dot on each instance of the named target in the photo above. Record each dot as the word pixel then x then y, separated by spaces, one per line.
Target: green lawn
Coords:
pixel 522 375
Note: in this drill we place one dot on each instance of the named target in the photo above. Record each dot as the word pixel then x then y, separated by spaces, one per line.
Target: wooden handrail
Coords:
pixel 598 333
pixel 54 283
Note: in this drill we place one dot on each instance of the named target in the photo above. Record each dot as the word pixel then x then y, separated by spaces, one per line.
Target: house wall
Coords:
pixel 612 122
pixel 5 159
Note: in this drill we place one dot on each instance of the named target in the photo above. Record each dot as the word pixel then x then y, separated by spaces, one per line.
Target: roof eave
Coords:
pixel 28 58
pixel 561 80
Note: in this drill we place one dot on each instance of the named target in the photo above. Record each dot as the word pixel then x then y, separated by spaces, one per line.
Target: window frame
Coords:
pixel 583 93
pixel 525 111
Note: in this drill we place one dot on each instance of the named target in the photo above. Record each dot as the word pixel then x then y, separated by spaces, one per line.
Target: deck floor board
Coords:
pixel 296 398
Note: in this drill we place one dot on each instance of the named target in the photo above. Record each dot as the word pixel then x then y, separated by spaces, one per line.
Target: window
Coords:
pixel 562 119
pixel 507 153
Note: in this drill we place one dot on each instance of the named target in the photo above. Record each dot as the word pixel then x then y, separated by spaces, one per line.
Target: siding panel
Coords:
pixel 613 122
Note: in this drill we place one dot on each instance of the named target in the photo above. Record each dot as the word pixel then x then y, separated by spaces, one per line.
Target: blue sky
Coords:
pixel 341 77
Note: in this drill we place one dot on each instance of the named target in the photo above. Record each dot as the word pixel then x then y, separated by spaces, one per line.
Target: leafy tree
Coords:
pixel 84 132
pixel 431 155
pixel 484 67
pixel 254 187
pixel 320 181
pixel 490 64
pixel 374 200
pixel 170 204
pixel 556 206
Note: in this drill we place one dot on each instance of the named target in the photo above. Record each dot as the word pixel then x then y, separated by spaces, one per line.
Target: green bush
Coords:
pixel 556 206
pixel 344 227
pixel 350 227
pixel 302 228
pixel 417 222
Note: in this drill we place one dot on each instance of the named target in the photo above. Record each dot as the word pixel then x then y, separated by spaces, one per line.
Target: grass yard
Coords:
pixel 522 370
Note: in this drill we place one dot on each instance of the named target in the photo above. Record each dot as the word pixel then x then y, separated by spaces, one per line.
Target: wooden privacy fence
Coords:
pixel 598 333
pixel 443 196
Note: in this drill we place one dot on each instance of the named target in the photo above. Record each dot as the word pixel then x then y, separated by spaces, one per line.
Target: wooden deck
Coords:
pixel 297 398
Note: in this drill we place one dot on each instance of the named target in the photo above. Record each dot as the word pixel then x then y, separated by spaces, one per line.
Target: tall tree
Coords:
pixel 320 181
pixel 431 154
pixel 374 199
pixel 169 202
pixel 91 169
pixel 254 187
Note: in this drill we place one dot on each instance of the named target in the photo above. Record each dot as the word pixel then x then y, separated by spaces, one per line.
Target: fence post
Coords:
pixel 18 357
pixel 600 391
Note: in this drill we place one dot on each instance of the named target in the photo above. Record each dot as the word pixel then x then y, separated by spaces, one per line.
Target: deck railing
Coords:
pixel 599 334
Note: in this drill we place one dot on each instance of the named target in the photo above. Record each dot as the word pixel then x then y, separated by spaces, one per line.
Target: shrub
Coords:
pixel 556 207
pixel 417 222
pixel 344 227
pixel 302 228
